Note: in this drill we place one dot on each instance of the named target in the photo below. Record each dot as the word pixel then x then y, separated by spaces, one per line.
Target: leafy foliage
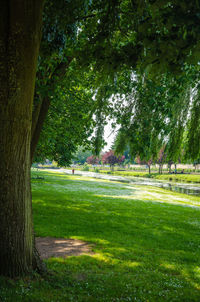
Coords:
pixel 193 130
pixel 69 121
pixel 93 160
pixel 111 159
pixel 156 113
pixel 81 155
pixel 111 40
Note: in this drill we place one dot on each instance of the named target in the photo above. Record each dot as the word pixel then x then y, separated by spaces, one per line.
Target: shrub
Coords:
pixel 85 168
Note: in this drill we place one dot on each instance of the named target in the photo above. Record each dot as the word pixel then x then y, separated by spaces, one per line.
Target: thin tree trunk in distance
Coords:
pixel 39 122
pixel 20 33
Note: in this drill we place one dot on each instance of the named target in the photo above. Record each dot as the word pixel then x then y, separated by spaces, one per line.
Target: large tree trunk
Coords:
pixel 20 32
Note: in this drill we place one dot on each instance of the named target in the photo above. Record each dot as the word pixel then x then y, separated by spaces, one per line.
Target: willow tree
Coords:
pixel 20 38
pixel 155 115
pixel 23 25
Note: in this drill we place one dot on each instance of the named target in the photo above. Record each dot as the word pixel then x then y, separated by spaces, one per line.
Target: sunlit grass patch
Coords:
pixel 166 196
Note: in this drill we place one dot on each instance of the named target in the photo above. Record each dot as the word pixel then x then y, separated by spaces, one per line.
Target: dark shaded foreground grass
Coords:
pixel 145 250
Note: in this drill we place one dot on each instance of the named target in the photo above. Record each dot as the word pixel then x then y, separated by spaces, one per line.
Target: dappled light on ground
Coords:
pixel 145 241
pixel 145 238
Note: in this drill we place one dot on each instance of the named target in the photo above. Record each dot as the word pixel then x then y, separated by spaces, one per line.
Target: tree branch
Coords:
pixel 41 109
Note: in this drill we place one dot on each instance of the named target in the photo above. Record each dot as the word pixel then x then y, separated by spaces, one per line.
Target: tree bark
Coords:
pixel 20 34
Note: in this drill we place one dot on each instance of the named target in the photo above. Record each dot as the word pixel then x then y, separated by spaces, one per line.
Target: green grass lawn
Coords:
pixel 146 242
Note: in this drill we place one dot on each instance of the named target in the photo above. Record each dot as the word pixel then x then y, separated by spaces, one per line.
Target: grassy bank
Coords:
pixel 146 243
pixel 195 178
pixel 180 177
